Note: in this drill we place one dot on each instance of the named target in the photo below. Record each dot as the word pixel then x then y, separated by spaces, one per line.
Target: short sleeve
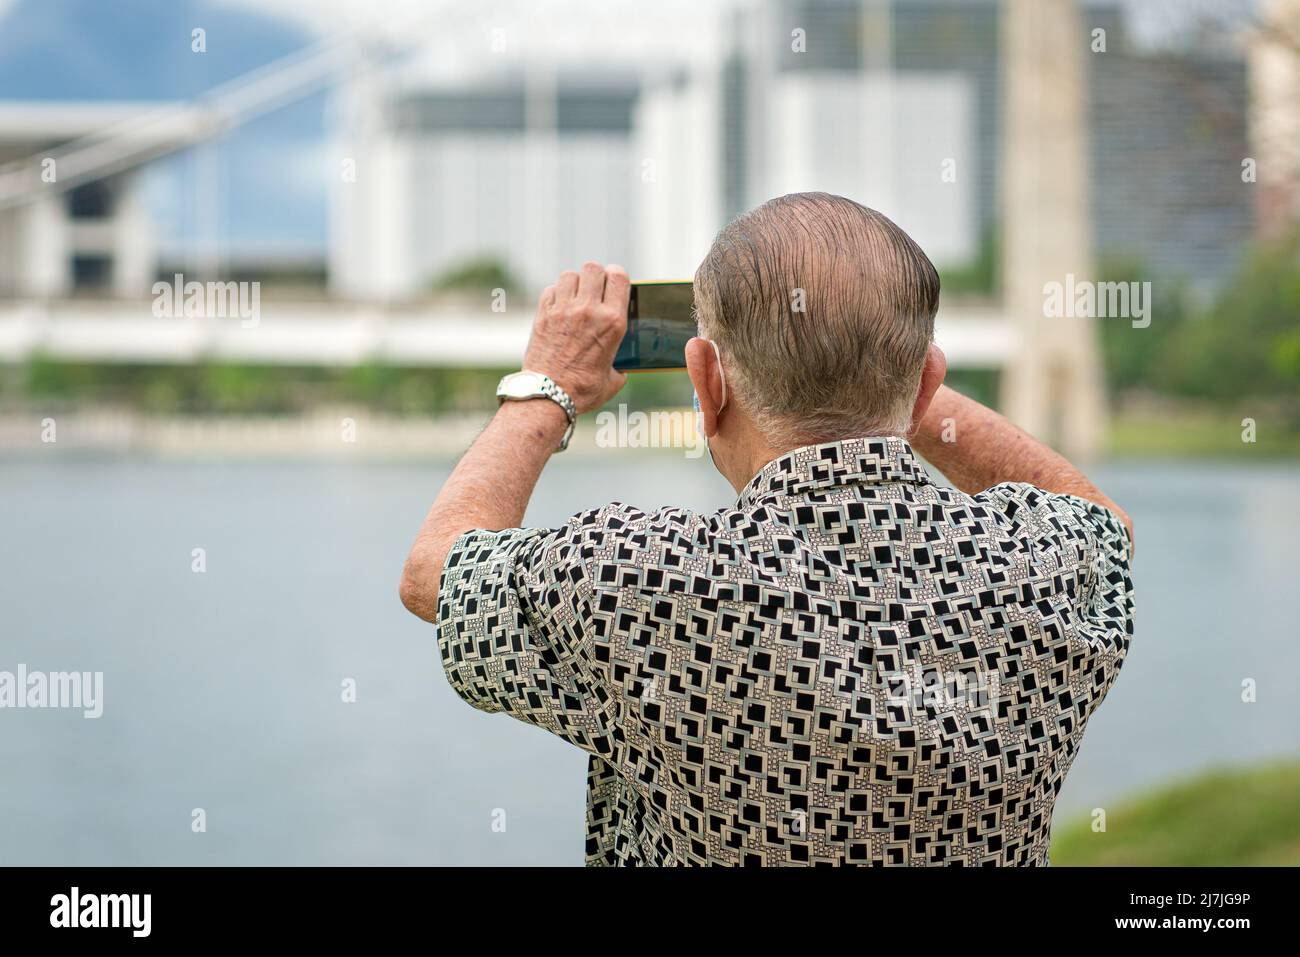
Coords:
pixel 1088 549
pixel 514 632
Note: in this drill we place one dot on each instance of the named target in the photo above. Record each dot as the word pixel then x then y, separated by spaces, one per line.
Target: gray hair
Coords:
pixel 825 310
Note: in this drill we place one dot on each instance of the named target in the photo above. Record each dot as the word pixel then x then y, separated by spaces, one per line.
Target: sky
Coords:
pixel 276 168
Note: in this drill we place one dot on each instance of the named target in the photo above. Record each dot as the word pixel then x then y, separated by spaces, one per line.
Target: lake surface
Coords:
pixel 223 690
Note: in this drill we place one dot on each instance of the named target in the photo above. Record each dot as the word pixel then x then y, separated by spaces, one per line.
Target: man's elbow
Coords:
pixel 1105 501
pixel 1128 522
pixel 419 595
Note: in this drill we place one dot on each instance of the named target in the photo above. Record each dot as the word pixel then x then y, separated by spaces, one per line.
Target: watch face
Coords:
pixel 519 385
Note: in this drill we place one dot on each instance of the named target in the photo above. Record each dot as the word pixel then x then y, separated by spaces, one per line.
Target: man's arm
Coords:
pixel 579 324
pixel 988 450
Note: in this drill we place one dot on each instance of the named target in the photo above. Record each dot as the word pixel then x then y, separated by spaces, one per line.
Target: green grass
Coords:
pixel 1239 817
pixel 1171 430
pixel 1201 436
pixel 1166 427
pixel 224 388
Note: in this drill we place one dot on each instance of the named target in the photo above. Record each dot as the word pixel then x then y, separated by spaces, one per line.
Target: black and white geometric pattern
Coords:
pixel 852 665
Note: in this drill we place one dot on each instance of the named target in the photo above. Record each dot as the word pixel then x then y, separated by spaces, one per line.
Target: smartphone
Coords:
pixel 660 321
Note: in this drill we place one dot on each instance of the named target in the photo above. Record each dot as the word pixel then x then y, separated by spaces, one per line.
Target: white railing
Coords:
pixel 334 334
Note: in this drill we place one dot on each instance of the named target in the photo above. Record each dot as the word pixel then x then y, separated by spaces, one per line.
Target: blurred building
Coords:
pixel 812 96
pixel 1169 134
pixel 94 237
pixel 535 171
pixel 897 103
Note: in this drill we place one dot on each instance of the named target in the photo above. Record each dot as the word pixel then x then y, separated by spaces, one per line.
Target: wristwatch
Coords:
pixel 518 386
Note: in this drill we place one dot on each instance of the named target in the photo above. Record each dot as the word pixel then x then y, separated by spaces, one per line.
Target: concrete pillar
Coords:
pixel 1275 115
pixel 10 254
pixel 542 216
pixel 370 235
pixel 1052 386
pixel 45 256
pixel 134 255
pixel 678 200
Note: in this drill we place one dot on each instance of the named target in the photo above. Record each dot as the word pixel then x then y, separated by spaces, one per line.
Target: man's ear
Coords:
pixel 706 377
pixel 936 367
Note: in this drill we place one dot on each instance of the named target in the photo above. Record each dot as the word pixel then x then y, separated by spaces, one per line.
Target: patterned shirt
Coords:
pixel 852 664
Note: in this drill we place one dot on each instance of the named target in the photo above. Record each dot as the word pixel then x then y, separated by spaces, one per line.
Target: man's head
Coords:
pixel 823 311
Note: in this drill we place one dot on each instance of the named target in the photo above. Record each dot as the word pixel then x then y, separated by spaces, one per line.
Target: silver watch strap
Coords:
pixel 559 396
pixel 548 389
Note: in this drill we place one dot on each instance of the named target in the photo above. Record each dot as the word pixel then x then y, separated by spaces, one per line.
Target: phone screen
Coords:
pixel 660 321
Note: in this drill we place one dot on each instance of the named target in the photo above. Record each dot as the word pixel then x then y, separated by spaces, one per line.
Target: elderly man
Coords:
pixel 852 663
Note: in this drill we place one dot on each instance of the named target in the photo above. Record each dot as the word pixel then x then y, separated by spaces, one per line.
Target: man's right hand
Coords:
pixel 580 322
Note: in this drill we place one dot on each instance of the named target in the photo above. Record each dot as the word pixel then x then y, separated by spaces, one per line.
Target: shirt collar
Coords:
pixel 885 458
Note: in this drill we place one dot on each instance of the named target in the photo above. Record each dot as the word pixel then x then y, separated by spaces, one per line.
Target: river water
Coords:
pixel 223 689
